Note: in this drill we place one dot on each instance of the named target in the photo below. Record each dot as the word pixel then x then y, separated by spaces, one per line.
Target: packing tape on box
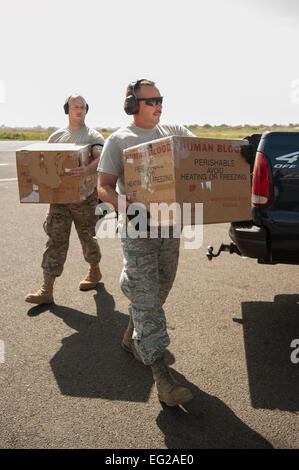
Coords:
pixel 33 197
pixel 162 187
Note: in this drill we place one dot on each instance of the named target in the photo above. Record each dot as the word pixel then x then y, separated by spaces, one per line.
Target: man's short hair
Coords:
pixel 75 96
pixel 132 87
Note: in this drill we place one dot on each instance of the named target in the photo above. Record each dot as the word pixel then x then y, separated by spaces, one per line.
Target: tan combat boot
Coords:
pixel 169 392
pixel 45 294
pixel 93 277
pixel 128 343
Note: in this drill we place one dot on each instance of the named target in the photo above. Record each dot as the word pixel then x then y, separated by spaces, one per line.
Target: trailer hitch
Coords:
pixel 232 248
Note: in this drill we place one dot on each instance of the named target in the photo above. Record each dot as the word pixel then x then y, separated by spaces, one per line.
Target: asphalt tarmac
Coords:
pixel 67 384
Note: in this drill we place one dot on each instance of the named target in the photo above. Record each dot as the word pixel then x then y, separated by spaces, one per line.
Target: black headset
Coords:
pixel 131 105
pixel 66 105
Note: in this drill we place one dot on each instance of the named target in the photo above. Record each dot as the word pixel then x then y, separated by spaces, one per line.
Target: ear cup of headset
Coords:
pixel 66 105
pixel 131 105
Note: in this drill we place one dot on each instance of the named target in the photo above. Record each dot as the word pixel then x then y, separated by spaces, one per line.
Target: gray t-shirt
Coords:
pixel 111 160
pixel 85 135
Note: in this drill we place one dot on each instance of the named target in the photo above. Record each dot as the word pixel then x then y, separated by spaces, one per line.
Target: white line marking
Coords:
pixel 3 180
pixel 2 358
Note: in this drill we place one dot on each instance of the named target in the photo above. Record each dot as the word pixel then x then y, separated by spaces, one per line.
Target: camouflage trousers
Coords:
pixel 149 270
pixel 58 225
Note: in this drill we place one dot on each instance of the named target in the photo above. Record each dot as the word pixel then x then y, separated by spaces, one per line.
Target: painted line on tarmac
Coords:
pixel 2 358
pixel 4 164
pixel 3 180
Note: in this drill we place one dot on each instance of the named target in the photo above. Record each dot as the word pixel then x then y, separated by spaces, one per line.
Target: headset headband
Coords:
pixel 136 85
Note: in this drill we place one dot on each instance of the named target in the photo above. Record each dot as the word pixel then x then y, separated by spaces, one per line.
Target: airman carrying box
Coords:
pixel 191 170
pixel 44 173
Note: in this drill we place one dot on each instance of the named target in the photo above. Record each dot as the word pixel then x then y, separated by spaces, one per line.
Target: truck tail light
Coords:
pixel 262 184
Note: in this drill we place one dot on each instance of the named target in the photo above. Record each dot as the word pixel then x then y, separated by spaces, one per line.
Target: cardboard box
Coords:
pixel 191 170
pixel 43 173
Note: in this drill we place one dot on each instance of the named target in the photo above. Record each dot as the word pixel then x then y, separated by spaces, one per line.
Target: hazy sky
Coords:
pixel 216 61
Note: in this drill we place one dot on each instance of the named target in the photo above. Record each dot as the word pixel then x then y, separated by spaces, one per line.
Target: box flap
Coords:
pixel 45 147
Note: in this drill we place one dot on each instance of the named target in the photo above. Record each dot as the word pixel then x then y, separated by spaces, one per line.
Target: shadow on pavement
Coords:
pixel 91 362
pixel 206 423
pixel 269 328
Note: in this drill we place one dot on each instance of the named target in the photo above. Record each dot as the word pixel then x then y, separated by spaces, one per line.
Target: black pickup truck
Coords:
pixel 272 236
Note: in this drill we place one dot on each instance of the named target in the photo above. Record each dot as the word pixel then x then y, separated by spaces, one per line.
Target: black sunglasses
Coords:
pixel 152 101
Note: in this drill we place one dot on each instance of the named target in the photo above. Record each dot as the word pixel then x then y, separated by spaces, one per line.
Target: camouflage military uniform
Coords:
pixel 149 270
pixel 150 264
pixel 60 216
pixel 58 228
